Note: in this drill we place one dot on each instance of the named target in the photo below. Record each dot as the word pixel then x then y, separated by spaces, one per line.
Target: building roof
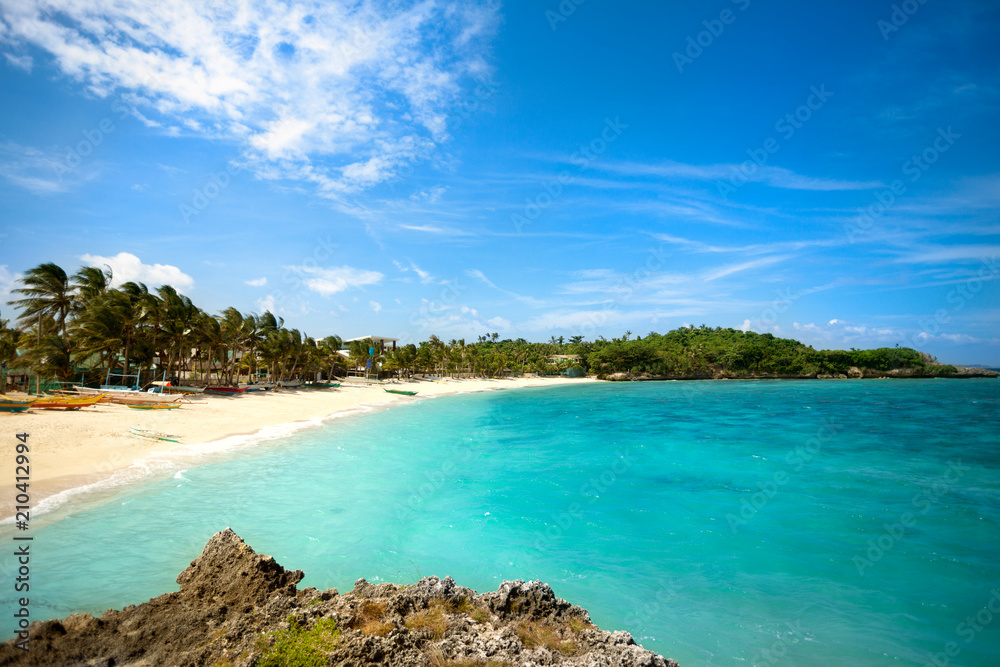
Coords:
pixel 377 339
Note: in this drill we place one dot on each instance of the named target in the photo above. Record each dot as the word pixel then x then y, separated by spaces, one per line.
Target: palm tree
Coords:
pixel 110 325
pixel 89 283
pixel 47 293
pixel 8 349
pixel 329 349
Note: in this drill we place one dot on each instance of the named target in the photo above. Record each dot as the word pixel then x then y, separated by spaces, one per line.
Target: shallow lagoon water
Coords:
pixel 718 522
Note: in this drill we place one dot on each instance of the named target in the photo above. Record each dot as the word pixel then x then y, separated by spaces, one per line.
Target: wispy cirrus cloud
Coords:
pixel 337 94
pixel 777 177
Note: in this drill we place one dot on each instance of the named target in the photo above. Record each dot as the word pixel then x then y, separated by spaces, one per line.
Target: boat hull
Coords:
pixel 225 391
pixel 150 406
pixel 400 392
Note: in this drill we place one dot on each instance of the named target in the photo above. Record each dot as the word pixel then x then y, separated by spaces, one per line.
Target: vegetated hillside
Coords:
pixel 713 353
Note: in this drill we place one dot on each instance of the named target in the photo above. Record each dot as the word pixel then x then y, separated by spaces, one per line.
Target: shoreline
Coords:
pixel 90 450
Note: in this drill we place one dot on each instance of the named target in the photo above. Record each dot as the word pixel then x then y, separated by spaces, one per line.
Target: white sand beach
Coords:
pixel 72 449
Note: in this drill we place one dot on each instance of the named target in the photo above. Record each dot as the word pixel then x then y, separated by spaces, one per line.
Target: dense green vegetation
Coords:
pixel 79 327
pixel 707 352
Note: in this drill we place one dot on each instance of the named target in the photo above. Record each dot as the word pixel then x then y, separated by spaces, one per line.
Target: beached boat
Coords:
pixel 66 402
pixel 13 404
pixel 153 406
pixel 182 389
pixel 290 384
pixel 166 387
pixel 401 392
pixel 322 385
pixel 227 391
pixel 153 435
pixel 262 386
pixel 122 396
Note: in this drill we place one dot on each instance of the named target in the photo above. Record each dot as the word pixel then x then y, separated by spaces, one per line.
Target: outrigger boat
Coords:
pixel 14 405
pixel 165 387
pixel 400 391
pixel 122 396
pixel 153 435
pixel 153 406
pixel 229 391
pixel 66 402
pixel 290 384
pixel 322 385
pixel 262 386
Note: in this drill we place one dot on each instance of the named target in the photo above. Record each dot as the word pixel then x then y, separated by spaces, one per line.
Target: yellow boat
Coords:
pixel 153 406
pixel 65 402
pixel 8 404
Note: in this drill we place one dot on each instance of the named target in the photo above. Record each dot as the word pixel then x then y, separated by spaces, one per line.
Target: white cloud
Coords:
pixel 331 93
pixel 777 177
pixel 8 281
pixel 257 282
pixel 746 326
pixel 425 277
pixel 20 62
pixel 327 281
pixel 375 306
pixel 44 172
pixel 267 304
pixel 126 267
pixel 498 323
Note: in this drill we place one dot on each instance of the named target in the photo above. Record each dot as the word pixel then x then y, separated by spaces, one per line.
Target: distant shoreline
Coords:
pixel 967 373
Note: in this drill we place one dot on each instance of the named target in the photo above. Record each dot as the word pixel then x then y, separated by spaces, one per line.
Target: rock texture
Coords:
pixel 237 608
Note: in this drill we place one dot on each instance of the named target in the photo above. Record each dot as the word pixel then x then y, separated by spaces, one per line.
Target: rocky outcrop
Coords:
pixel 237 608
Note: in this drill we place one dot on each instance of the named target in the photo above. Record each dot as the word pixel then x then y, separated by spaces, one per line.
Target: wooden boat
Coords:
pixel 153 435
pixel 14 405
pixel 228 391
pixel 263 386
pixel 181 389
pixel 166 387
pixel 400 391
pixel 290 384
pixel 122 396
pixel 322 385
pixel 66 402
pixel 153 406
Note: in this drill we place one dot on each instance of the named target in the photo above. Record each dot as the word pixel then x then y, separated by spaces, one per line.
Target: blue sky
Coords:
pixel 827 172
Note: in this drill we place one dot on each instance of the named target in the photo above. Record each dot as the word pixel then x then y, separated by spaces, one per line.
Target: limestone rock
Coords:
pixel 233 604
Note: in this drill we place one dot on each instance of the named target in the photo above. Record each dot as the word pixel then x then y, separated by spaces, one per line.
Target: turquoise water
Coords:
pixel 720 523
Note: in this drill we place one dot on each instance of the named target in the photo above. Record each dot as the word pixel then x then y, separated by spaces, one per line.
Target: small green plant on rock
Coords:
pixel 298 647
